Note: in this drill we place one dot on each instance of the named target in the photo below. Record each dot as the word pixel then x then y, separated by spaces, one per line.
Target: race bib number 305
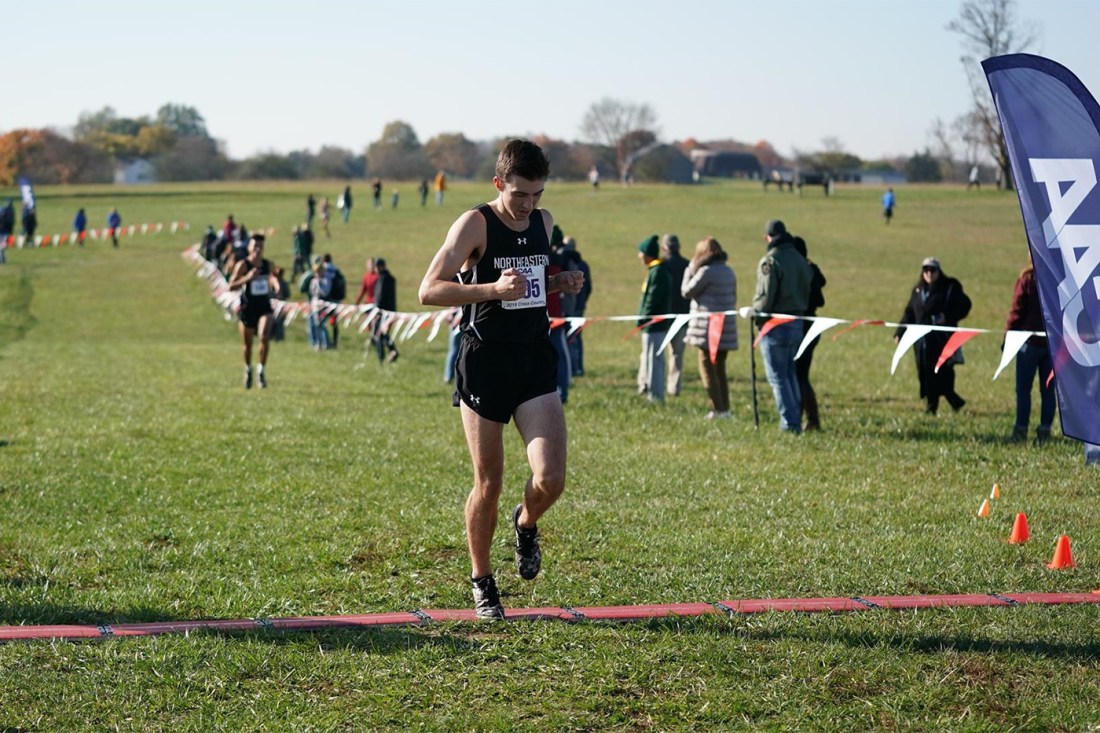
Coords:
pixel 535 297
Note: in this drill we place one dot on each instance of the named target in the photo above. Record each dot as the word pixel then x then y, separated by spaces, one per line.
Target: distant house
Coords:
pixel 726 164
pixel 663 163
pixel 138 170
pixel 883 178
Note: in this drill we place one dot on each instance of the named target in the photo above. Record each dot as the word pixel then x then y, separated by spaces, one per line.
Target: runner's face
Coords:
pixel 255 250
pixel 519 196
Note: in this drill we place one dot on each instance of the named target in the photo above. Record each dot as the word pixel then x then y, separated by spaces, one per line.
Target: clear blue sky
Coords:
pixel 282 75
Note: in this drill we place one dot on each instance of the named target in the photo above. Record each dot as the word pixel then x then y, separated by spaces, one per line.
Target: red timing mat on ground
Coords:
pixel 552 613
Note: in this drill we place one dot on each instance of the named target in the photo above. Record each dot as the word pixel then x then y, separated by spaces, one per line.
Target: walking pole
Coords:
pixel 752 359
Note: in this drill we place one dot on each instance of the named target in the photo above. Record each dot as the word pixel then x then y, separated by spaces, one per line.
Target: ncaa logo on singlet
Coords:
pixel 521 240
pixel 1078 244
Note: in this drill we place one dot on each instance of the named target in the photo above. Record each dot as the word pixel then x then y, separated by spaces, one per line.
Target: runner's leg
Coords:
pixel 541 423
pixel 486 442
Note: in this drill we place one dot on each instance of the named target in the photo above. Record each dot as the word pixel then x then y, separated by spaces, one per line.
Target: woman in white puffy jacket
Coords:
pixel 711 285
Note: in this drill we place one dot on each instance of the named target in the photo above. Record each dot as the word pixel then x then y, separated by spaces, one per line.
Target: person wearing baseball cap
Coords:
pixel 656 301
pixel 936 300
pixel 782 288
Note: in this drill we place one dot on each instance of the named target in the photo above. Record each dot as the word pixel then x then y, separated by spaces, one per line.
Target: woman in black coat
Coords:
pixel 937 300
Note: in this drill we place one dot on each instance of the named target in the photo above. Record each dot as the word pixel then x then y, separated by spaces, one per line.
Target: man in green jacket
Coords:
pixel 782 288
pixel 656 301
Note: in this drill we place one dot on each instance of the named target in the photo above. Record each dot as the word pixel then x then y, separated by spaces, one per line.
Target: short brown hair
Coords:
pixel 524 159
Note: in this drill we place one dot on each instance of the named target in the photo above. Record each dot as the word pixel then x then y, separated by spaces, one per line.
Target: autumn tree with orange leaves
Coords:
pixel 46 157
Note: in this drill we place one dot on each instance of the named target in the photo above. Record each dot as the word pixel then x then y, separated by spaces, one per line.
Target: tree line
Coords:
pixel 618 138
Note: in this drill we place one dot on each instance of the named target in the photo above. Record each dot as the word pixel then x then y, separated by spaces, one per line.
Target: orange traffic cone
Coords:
pixel 983 511
pixel 1063 556
pixel 996 492
pixel 1020 532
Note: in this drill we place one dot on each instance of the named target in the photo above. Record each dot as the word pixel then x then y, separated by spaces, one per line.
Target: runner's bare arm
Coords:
pixel 465 243
pixel 236 280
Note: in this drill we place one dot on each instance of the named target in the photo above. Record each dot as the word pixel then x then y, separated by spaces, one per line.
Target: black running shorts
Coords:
pixel 250 317
pixel 493 379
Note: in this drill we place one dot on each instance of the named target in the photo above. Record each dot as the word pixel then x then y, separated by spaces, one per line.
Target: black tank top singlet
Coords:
pixel 520 321
pixel 256 294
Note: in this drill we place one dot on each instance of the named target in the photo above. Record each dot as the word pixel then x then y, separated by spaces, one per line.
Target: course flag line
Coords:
pixel 401 326
pixel 552 613
pixel 21 241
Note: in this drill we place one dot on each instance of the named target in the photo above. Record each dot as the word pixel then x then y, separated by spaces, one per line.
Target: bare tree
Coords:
pixel 613 123
pixel 990 28
pixel 943 147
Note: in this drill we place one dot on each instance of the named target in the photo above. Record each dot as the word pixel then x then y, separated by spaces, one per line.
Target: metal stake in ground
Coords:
pixel 752 359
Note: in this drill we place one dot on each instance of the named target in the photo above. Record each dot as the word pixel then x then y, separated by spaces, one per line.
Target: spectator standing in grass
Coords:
pixel 422 189
pixel 676 266
pixel 936 300
pixel 317 285
pixel 345 198
pixel 80 226
pixel 1033 358
pixel 7 223
pixel 114 223
pixel 376 192
pixel 711 287
pixel 507 367
pixel 385 298
pixel 337 291
pixel 656 301
pixel 311 211
pixel 302 248
pixel 369 282
pixel 440 187
pixel 804 362
pixel 30 223
pixel 782 287
pixel 888 202
pixel 574 305
pixel 326 214
pixel 255 277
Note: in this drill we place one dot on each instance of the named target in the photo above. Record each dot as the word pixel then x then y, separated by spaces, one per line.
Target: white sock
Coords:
pixel 261 368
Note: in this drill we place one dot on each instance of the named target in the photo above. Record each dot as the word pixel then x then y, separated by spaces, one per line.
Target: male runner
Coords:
pixel 507 366
pixel 255 277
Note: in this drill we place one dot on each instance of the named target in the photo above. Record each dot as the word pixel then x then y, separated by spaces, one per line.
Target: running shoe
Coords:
pixel 486 598
pixel 248 379
pixel 263 380
pixel 528 554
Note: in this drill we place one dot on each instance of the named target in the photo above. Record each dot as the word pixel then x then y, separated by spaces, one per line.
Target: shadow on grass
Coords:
pixel 48 614
pixel 916 643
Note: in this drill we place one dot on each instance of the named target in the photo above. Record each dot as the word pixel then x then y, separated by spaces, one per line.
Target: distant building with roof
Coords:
pixel 726 164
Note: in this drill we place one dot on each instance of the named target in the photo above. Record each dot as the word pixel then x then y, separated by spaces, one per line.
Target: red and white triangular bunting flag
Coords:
pixel 678 324
pixel 912 335
pixel 953 344
pixel 818 327
pixel 1014 341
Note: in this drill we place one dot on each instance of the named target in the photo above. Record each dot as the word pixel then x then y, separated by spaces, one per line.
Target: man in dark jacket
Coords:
pixel 936 300
pixel 676 265
pixel 656 301
pixel 385 299
pixel 782 287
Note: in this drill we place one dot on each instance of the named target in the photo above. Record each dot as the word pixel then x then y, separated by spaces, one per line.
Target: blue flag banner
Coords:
pixel 1051 125
pixel 27 191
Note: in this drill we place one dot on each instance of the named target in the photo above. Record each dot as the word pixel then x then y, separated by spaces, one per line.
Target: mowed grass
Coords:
pixel 140 482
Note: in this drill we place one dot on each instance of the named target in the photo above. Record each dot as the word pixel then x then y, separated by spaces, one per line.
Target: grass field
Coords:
pixel 140 482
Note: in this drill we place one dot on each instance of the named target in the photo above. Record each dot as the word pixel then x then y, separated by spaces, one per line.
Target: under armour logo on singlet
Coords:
pixel 521 240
